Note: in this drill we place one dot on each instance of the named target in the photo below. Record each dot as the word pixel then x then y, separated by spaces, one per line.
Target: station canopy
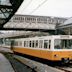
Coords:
pixel 69 21
pixel 8 9
pixel 66 26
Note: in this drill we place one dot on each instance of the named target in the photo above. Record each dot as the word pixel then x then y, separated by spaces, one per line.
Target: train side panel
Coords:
pixel 45 54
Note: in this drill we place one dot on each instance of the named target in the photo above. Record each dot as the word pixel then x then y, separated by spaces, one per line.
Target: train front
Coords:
pixel 63 49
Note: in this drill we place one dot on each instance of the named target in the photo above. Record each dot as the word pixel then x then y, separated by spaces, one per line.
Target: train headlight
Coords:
pixel 55 55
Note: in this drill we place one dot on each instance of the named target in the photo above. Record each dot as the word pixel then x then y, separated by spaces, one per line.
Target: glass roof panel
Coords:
pixel 7 10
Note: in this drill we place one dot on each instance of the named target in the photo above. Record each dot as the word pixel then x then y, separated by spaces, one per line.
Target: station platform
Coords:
pixel 3 49
pixel 5 66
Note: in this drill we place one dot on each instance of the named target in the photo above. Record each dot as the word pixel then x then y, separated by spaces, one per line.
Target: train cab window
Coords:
pixel 66 44
pixel 40 43
pixel 63 44
pixel 46 44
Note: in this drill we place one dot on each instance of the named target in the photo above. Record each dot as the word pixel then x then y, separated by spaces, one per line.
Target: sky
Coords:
pixel 57 8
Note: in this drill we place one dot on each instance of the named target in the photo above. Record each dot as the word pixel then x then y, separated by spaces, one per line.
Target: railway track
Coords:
pixel 65 68
pixel 17 65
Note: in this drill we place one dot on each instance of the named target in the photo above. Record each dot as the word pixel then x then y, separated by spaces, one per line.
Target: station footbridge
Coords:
pixel 33 23
pixel 30 25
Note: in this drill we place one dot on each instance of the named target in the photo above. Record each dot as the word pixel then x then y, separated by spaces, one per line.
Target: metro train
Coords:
pixel 53 48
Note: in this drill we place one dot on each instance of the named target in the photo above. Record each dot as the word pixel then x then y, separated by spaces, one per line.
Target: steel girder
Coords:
pixel 8 9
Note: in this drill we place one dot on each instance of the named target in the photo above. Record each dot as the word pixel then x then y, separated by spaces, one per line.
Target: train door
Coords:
pixel 12 44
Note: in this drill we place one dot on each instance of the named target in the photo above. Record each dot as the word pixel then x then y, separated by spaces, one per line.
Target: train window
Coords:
pixel 36 45
pixel 40 43
pixel 49 44
pixel 57 44
pixel 15 43
pixel 32 43
pixel 24 43
pixel 45 44
pixel 20 43
pixel 29 43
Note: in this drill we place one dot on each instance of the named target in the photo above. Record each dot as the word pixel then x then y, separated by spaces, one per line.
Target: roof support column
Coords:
pixel 69 31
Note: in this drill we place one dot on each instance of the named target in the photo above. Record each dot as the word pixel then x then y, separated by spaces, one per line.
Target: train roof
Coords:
pixel 47 37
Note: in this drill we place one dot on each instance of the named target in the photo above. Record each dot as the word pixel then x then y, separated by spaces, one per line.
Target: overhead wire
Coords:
pixel 25 8
pixel 38 6
pixel 27 5
pixel 36 9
